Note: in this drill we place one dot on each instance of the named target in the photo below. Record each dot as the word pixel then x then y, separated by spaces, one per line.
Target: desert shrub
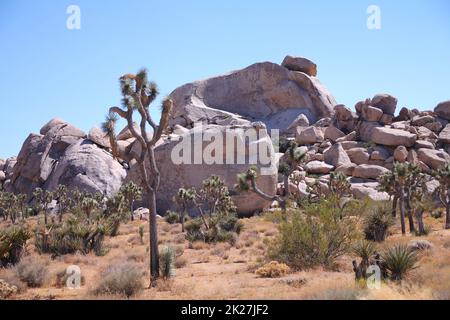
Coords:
pixel 273 269
pixel 122 279
pixel 172 217
pixel 317 236
pixel 166 263
pixel 377 222
pixel 12 243
pixel 72 236
pixel 33 272
pixel 397 261
pixel 7 290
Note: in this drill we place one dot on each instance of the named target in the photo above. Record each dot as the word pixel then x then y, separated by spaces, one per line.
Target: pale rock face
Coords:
pixel 310 135
pixel 2 164
pixel 52 123
pixel 434 159
pixel 318 167
pixel 366 130
pixel 379 154
pixel 443 110
pixel 366 171
pixel 97 136
pixel 344 118
pixel 175 175
pixel 359 155
pixel 2 176
pixel 362 191
pixel 264 92
pixel 393 137
pixel 300 121
pixel 385 102
pixel 89 168
pixel 336 156
pixel 420 121
pixel 401 154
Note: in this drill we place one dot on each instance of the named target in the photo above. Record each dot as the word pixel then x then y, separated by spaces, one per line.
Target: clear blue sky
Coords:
pixel 48 71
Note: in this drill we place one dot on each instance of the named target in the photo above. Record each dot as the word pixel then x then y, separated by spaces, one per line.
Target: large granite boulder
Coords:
pixel 443 110
pixel 434 159
pixel 366 171
pixel 264 92
pixel 87 167
pixel 336 156
pixel 300 64
pixel 393 137
pixel 385 102
pixel 40 153
pixel 184 168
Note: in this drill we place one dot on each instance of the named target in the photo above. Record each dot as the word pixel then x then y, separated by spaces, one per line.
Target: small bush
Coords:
pixel 123 279
pixel 141 233
pixel 32 272
pixel 172 217
pixel 12 243
pixel 377 222
pixel 316 237
pixel 398 261
pixel 7 290
pixel 273 270
pixel 167 262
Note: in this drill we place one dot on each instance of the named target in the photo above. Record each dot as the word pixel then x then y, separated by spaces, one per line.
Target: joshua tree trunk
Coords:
pixel 419 218
pixel 402 212
pixel 286 186
pixel 412 228
pixel 394 206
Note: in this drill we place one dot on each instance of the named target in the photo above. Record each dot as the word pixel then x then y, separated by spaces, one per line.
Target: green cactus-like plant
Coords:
pixel 131 193
pixel 443 176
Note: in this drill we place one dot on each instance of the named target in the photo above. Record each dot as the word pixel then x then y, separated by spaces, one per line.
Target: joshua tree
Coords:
pixel 394 183
pixel 131 193
pixel 138 93
pixel 108 128
pixel 88 205
pixel 293 158
pixel 62 199
pixel 443 176
pixel 185 198
pixel 43 198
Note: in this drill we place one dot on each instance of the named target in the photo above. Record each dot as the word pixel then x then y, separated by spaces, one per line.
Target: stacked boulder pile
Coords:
pixel 362 143
pixel 366 143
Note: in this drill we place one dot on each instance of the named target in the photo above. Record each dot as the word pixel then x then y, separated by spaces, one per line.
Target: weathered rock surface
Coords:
pixel 310 135
pixel 97 136
pixel 435 159
pixel 87 167
pixel 318 167
pixel 366 171
pixel 393 137
pixel 176 175
pixel 264 92
pixel 336 156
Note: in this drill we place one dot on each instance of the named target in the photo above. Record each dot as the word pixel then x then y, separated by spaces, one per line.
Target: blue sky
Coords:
pixel 49 71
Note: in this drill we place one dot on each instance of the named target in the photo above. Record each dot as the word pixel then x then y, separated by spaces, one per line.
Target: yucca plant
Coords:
pixel 131 193
pixel 12 243
pixel 377 222
pixel 398 261
pixel 167 262
pixel 364 250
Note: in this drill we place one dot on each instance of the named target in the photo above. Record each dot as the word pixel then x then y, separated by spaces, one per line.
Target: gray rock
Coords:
pixel 420 245
pixel 318 167
pixel 401 154
pixel 176 174
pixel 97 136
pixel 264 92
pixel 89 168
pixel 444 136
pixel 371 114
